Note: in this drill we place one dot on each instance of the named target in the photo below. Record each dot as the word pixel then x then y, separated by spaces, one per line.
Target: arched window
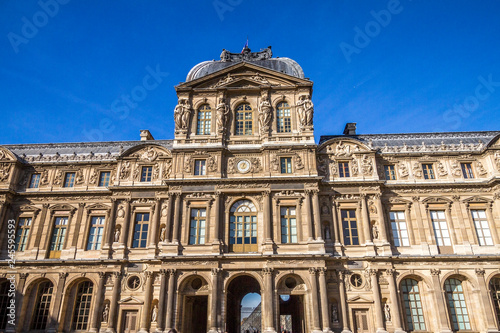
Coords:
pixel 283 118
pixel 413 305
pixel 204 122
pixel 82 305
pixel 42 305
pixel 456 305
pixel 4 303
pixel 244 120
pixel 243 227
pixel 495 295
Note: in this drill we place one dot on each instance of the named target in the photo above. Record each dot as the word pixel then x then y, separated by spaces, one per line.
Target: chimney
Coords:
pixel 146 135
pixel 350 129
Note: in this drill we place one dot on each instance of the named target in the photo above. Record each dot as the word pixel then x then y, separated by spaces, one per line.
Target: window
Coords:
pixel 69 179
pixel 456 305
pixel 22 233
pixel 482 227
pixel 147 171
pixel 428 171
pixel 200 168
pixel 286 165
pixel 244 120
pixel 104 178
pixel 4 303
pixel 288 225
pixel 390 172
pixel 495 295
pixel 350 227
pixel 34 180
pixel 413 305
pixel 440 228
pixel 58 235
pixel 204 120
pixel 399 229
pixel 467 170
pixel 344 169
pixel 197 228
pixel 141 230
pixel 82 306
pixel 42 306
pixel 243 227
pixel 283 118
pixel 96 232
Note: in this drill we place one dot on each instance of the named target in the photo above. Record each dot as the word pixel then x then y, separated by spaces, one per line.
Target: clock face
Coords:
pixel 243 166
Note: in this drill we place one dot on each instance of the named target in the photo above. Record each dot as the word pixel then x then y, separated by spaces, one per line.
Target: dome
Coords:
pixel 262 58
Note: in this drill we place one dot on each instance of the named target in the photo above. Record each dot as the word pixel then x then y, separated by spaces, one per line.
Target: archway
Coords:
pixel 291 290
pixel 194 291
pixel 239 317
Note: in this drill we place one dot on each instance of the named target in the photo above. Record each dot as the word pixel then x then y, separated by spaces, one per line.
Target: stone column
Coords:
pixel 145 317
pixel 323 293
pixel 395 310
pixel 485 302
pixel 168 224
pixel 308 215
pixel 314 296
pixel 379 316
pixel 170 300
pixel 54 317
pixel 216 237
pixel 411 229
pixel 94 325
pixel 214 296
pixel 441 310
pixel 153 236
pixel 381 218
pixel 177 218
pixel 336 229
pixel 110 222
pixel 366 220
pixel 161 300
pixel 113 306
pixel 267 301
pixel 126 224
pixel 317 216
pixel 267 216
pixel 451 225
pixel 343 303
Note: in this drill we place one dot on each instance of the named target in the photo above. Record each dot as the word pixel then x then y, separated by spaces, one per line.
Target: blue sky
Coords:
pixel 426 66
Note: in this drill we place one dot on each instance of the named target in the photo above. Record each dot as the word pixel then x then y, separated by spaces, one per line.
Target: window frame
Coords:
pixel 25 232
pixel 344 166
pixel 59 231
pixel 141 232
pixel 408 309
pixel 242 123
pixel 250 211
pixel 146 174
pixel 283 117
pixel 195 223
pixel 69 179
pixel 200 170
pixel 288 225
pixel 481 220
pixel 449 300
pixel 440 221
pixel 205 122
pixel 467 171
pixel 428 171
pixel 42 299
pixel 398 222
pixel 93 244
pixel 348 219
pixel 34 175
pixel 82 321
pixel 390 174
pixel 104 182
pixel 287 167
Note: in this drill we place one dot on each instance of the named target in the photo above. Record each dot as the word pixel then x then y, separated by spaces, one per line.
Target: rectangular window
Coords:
pixel 428 171
pixel 288 225
pixel 390 172
pixel 440 227
pixel 58 236
pixel 69 179
pixel 197 226
pixel 147 171
pixel 350 227
pixel 283 117
pixel 200 168
pixel 482 227
pixel 467 170
pixel 104 178
pixel 22 233
pixel 399 229
pixel 204 121
pixel 95 233
pixel 286 165
pixel 344 169
pixel 34 181
pixel 141 230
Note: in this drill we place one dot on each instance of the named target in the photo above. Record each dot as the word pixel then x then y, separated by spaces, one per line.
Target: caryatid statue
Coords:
pixel 265 114
pixel 182 112
pixel 222 114
pixel 305 111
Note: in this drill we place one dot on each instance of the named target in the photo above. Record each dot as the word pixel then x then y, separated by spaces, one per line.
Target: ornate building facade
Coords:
pixel 359 233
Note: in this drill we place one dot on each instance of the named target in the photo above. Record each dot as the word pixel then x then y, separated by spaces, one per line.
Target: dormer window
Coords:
pixel 344 169
pixel 428 171
pixel 204 121
pixel 147 171
pixel 244 120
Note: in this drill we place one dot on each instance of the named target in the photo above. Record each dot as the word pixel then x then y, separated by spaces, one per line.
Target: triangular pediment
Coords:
pixel 359 299
pixel 242 75
pixel 130 300
pixel 98 206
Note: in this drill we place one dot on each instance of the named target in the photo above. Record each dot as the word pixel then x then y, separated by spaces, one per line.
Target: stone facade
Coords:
pixel 359 233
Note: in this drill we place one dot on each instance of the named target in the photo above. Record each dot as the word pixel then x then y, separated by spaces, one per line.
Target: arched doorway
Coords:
pixel 291 291
pixel 243 227
pixel 238 288
pixel 194 291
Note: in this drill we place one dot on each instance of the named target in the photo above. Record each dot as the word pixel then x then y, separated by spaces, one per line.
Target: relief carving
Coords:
pixel 417 170
pixel 441 170
pixel 480 169
pixel 125 171
pixel 305 111
pixel 167 169
pixel 4 171
pixel 182 113
pixel 403 170
pixel 212 164
pixel 366 165
pixel 455 169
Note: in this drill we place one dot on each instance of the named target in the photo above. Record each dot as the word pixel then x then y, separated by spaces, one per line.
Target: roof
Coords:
pixel 262 58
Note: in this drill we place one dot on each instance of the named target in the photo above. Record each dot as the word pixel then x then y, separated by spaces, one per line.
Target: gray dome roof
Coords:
pixel 263 59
